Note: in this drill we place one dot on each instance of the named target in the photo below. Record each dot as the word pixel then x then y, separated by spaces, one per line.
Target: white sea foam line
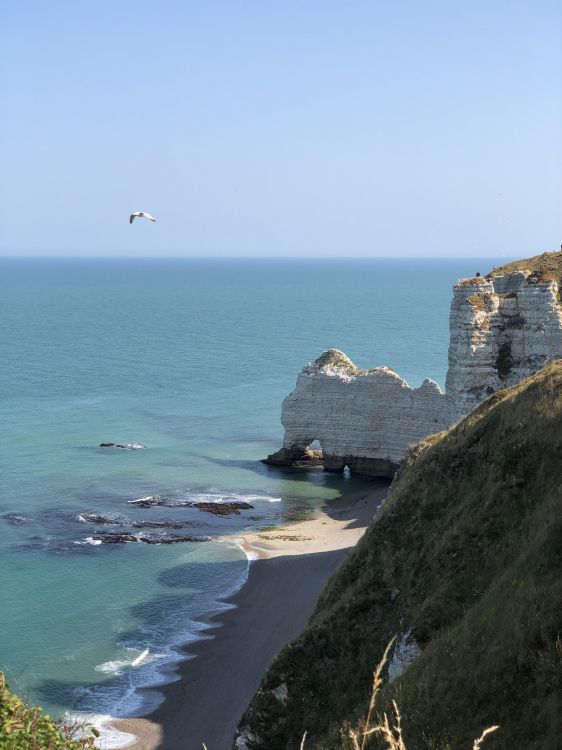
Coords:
pixel 212 497
pixel 110 738
pixel 164 665
pixel 141 659
pixel 114 667
pixel 250 556
pixel 266 498
pixel 231 498
pixel 143 499
pixel 89 540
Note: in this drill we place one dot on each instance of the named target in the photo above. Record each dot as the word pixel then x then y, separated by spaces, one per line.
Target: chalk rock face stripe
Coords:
pixel 365 419
pixel 500 338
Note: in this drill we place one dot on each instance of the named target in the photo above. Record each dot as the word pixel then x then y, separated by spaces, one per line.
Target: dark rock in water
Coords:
pixel 296 459
pixel 223 509
pixel 116 537
pixel 15 520
pixel 159 525
pixel 173 539
pixel 148 502
pixel 46 544
pixel 123 521
pixel 219 509
pixel 123 446
pixel 125 537
pixel 96 518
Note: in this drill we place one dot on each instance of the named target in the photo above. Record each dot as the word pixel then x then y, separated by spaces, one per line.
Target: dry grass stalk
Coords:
pixel 377 684
pixel 391 731
pixel 390 728
pixel 480 740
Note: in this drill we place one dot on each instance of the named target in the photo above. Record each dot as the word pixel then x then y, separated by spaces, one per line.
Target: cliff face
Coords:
pixel 462 563
pixel 347 410
pixel 503 328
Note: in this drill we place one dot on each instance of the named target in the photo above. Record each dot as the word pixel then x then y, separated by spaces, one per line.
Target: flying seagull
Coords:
pixel 142 214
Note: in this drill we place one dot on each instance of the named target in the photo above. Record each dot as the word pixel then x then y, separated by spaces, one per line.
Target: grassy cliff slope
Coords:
pixel 547 265
pixel 466 554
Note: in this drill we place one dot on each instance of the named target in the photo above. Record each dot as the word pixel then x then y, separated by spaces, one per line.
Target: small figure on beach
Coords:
pixel 478 274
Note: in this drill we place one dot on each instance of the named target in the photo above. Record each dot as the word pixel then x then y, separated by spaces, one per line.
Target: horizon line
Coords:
pixel 255 257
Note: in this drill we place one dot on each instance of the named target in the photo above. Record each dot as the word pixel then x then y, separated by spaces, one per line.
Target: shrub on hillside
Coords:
pixel 28 728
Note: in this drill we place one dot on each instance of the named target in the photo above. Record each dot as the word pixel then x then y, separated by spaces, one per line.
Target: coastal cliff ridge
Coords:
pixel 503 327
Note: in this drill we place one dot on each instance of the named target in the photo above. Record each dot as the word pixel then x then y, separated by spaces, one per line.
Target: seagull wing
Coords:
pixel 142 214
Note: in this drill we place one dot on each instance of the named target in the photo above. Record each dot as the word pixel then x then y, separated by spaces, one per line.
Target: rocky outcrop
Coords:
pixel 503 328
pixel 123 446
pixel 363 419
pixel 218 509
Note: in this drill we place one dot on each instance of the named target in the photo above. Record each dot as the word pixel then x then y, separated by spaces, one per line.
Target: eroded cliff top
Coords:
pixel 547 267
pixel 335 358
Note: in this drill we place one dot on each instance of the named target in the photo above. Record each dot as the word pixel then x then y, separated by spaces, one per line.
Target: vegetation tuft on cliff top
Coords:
pixel 465 556
pixel 335 358
pixel 473 281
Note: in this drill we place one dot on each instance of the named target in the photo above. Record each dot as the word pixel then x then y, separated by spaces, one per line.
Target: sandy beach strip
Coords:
pixel 223 671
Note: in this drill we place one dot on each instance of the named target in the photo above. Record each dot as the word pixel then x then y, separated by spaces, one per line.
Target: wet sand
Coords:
pixel 223 671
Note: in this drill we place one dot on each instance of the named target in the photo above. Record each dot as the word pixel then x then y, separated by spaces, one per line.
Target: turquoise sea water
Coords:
pixel 191 359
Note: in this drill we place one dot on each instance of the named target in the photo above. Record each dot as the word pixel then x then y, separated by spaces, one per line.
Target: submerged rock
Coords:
pixel 115 537
pixel 15 519
pixel 159 524
pixel 219 509
pixel 123 446
pixel 98 519
pixel 223 509
pixel 126 537
pixel 173 539
pixel 148 502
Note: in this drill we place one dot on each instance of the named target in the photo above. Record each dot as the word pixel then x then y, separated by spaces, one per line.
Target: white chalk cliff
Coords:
pixel 503 328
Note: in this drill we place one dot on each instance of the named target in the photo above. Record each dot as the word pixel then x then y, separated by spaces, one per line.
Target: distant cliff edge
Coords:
pixel 503 328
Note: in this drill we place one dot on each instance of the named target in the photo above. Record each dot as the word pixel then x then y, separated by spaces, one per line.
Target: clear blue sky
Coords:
pixel 307 128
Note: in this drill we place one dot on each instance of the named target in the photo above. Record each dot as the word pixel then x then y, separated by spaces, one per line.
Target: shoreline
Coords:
pixel 289 566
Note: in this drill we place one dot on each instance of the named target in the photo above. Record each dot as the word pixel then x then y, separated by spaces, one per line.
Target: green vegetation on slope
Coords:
pixel 545 266
pixel 467 555
pixel 25 728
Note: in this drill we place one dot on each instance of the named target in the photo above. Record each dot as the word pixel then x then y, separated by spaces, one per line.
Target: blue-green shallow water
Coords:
pixel 191 359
